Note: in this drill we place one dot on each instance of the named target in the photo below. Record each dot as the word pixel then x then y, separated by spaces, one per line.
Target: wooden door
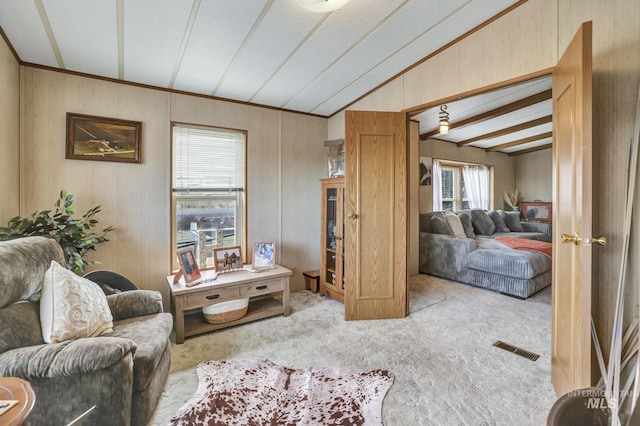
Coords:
pixel 571 291
pixel 376 215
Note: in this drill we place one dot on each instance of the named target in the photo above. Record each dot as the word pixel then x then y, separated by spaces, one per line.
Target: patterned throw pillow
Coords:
pixel 72 307
pixel 465 218
pixel 455 224
pixel 439 225
pixel 512 220
pixel 496 217
pixel 482 223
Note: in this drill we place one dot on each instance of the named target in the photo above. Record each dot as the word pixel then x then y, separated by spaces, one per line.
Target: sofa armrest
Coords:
pixel 135 303
pixel 67 358
pixel 444 255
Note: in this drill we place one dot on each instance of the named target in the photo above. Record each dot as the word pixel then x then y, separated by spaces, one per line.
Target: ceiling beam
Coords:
pixel 506 131
pixel 519 142
pixel 44 18
pixel 505 109
pixel 120 26
pixel 526 151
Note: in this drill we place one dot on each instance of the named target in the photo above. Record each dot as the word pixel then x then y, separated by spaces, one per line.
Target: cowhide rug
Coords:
pixel 259 392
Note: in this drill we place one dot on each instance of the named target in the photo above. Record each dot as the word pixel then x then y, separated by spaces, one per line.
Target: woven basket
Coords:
pixel 226 312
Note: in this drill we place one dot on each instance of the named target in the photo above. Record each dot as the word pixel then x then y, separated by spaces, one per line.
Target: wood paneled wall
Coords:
pixel 530 39
pixel 9 134
pixel 285 161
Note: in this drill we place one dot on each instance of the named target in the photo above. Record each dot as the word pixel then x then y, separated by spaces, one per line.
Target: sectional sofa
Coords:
pixel 462 246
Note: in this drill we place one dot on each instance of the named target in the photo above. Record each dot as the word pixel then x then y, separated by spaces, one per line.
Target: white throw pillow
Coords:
pixel 72 307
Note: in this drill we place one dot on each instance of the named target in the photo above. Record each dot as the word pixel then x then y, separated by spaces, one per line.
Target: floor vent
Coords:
pixel 518 351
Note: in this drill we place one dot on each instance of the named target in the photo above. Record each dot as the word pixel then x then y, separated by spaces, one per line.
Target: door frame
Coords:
pixel 412 111
pixel 413 209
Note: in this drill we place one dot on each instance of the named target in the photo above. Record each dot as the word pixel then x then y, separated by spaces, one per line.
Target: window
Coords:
pixel 454 193
pixel 462 185
pixel 208 189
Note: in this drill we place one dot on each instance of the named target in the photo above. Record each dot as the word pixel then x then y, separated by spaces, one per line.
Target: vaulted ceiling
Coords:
pixel 266 52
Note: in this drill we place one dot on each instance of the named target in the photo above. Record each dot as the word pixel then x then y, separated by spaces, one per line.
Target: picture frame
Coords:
pixel 426 168
pixel 188 264
pixel 264 255
pixel 102 139
pixel 227 258
pixel 537 211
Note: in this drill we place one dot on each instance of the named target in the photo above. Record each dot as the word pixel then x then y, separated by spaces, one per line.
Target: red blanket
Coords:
pixel 524 244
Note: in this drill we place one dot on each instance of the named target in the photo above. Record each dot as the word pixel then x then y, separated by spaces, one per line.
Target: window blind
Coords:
pixel 208 160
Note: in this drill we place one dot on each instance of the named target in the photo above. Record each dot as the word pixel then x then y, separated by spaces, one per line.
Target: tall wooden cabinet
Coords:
pixel 332 239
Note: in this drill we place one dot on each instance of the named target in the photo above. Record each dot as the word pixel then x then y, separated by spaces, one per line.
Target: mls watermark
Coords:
pixel 596 399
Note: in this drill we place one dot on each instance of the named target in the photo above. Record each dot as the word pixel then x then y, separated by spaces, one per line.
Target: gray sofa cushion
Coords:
pixel 68 358
pixel 482 223
pixel 511 263
pixel 425 222
pixel 512 220
pixel 20 326
pixel 439 225
pixel 497 219
pixel 455 224
pixel 151 336
pixel 465 218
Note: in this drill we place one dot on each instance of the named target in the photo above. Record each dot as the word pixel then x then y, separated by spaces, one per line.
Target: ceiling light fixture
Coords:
pixel 444 120
pixel 322 6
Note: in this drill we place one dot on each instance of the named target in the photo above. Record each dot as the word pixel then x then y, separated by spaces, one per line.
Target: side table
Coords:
pixel 14 388
pixel 259 287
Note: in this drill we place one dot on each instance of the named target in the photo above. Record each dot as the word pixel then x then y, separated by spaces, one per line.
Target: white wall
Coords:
pixel 285 161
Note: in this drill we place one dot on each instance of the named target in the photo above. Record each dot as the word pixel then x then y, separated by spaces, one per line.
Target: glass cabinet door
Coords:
pixel 332 255
pixel 331 229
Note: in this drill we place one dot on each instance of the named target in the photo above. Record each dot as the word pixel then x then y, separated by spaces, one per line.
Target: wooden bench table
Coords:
pixel 259 287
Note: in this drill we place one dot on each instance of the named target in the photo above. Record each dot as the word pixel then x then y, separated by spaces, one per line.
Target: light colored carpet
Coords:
pixel 446 370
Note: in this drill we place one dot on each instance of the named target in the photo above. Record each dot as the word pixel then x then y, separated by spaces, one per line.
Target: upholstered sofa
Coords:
pixel 122 372
pixel 462 246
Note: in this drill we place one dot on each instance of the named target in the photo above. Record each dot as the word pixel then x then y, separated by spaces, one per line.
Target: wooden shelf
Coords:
pixel 260 308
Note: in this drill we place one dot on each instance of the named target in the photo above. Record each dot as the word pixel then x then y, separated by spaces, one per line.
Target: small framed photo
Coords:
pixel 264 254
pixel 227 258
pixel 537 211
pixel 102 139
pixel 188 264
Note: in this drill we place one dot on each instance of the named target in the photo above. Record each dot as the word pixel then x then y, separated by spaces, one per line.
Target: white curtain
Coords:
pixel 436 174
pixel 476 181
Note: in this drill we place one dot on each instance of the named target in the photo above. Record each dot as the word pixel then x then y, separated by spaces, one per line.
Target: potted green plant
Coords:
pixel 74 235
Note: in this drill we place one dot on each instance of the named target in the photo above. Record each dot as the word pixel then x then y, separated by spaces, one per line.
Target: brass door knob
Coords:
pixel 352 216
pixel 601 240
pixel 577 240
pixel 567 238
